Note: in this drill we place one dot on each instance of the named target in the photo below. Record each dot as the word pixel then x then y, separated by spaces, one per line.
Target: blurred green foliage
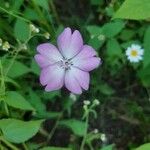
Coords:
pixel 35 119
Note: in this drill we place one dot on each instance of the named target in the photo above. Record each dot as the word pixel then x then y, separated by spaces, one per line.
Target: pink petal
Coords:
pixel 87 64
pixel 76 44
pixel 49 51
pixel 71 83
pixel 82 77
pixel 86 52
pixel 53 76
pixel 70 44
pixel 63 41
pixel 42 61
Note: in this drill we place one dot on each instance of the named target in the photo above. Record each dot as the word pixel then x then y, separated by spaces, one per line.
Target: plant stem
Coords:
pixel 8 144
pixel 13 59
pixel 52 5
pixel 25 146
pixel 85 134
pixel 54 128
pixel 43 19
pixel 2 77
pixel 14 15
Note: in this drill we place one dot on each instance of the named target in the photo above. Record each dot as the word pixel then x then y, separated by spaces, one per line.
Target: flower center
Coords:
pixel 134 53
pixel 65 64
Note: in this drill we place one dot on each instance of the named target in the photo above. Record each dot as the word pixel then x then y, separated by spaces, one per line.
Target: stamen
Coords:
pixel 65 64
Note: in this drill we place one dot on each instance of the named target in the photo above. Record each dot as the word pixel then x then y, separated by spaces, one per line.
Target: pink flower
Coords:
pixel 68 65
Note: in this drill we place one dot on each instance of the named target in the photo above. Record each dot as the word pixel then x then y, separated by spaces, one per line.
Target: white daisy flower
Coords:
pixel 134 53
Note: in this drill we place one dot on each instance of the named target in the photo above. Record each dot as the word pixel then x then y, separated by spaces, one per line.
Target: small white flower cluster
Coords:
pixel 87 103
pixel 47 35
pixel 5 45
pixel 34 29
pixel 134 53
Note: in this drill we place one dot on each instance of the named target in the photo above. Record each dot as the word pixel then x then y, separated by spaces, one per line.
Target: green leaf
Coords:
pixel 113 48
pixel 18 131
pixel 16 4
pixel 134 9
pixel 109 147
pixel 78 127
pixel 35 68
pixel 31 14
pixel 146 60
pixel 106 89
pixel 36 102
pixel 144 147
pixel 55 148
pixel 144 75
pixel 95 43
pixel 94 30
pixel 95 33
pixel 113 28
pixel 43 3
pixel 16 100
pixel 17 69
pixel 127 34
pixel 21 30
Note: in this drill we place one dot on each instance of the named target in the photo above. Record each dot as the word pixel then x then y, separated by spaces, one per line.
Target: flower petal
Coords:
pixel 87 64
pixel 63 41
pixel 52 74
pixel 49 51
pixel 76 44
pixel 70 44
pixel 82 77
pixel 42 61
pixel 86 52
pixel 71 83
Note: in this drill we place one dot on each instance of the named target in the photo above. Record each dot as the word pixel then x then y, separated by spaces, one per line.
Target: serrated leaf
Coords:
pixel 18 131
pixel 78 127
pixel 134 9
pixel 16 100
pixel 21 30
pixel 144 147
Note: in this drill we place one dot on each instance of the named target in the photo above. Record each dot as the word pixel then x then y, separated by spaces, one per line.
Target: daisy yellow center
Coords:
pixel 134 53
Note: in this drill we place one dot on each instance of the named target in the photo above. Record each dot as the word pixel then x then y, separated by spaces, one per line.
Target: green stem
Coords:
pixel 8 144
pixel 6 108
pixel 43 19
pixel 55 12
pixel 14 15
pixel 13 59
pixel 25 146
pixel 2 77
pixel 54 128
pixel 85 134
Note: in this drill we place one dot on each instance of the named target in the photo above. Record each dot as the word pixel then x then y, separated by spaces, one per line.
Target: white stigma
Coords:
pixel 65 64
